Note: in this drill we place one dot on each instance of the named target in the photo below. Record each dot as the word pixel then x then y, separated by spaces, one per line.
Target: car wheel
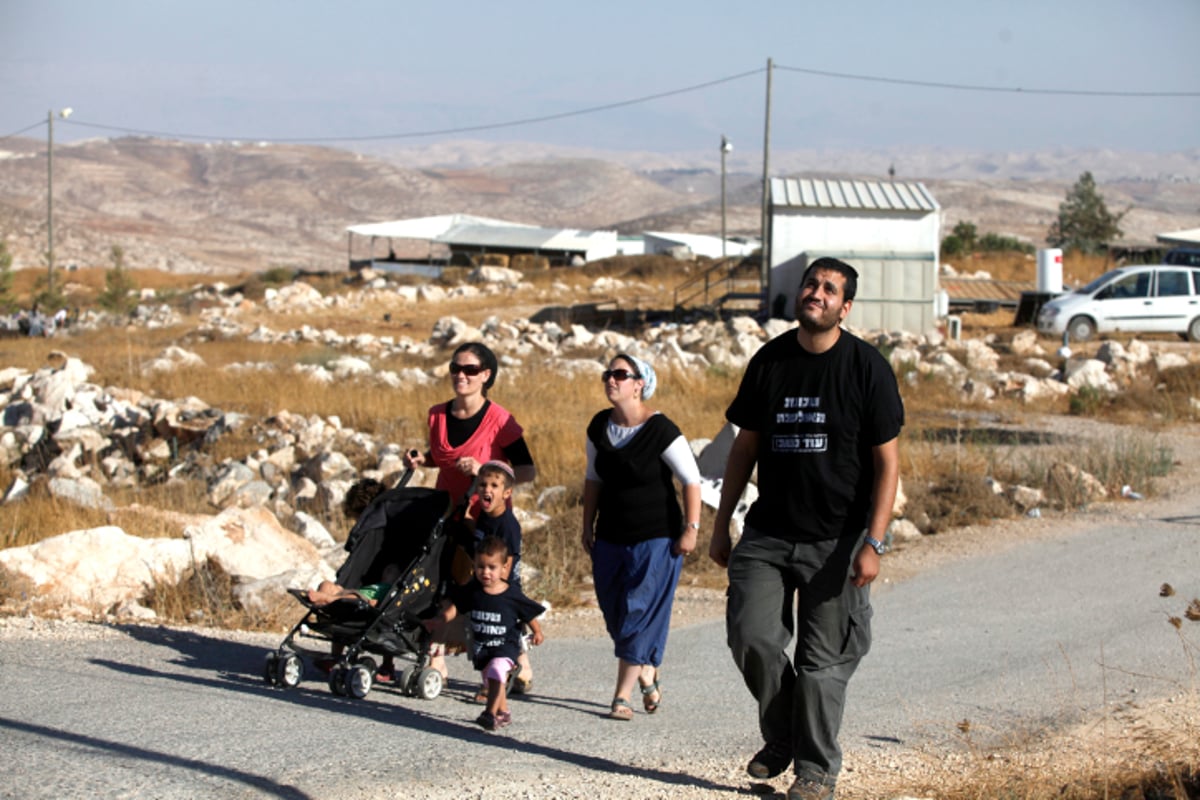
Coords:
pixel 1081 329
pixel 1193 333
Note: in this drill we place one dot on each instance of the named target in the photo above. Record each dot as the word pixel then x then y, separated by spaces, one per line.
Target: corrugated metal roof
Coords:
pixel 467 230
pixel 852 194
pixel 425 227
pixel 524 238
pixel 1188 237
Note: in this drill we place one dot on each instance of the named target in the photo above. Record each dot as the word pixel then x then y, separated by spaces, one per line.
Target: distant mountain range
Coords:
pixel 218 207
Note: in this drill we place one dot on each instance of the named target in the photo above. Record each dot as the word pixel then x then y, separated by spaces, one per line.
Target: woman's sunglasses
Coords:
pixel 470 370
pixel 618 375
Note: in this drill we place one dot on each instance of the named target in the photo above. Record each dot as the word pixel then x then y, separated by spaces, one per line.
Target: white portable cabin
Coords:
pixel 889 231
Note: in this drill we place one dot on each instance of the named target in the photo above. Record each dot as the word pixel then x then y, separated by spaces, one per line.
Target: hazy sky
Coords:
pixel 304 69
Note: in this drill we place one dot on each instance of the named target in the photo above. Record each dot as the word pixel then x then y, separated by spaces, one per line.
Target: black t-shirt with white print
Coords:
pixel 817 416
pixel 494 620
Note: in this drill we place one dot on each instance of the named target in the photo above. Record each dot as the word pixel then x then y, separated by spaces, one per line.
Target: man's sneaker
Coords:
pixel 772 760
pixel 805 789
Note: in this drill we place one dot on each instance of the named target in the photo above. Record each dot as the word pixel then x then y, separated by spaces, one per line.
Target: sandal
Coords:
pixel 621 709
pixel 522 685
pixel 481 696
pixel 653 689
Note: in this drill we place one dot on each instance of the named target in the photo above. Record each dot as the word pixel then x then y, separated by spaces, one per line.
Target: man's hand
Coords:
pixel 866 566
pixel 720 545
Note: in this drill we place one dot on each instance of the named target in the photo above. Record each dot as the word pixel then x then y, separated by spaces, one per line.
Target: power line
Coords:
pixel 966 87
pixel 441 132
pixel 621 104
pixel 26 128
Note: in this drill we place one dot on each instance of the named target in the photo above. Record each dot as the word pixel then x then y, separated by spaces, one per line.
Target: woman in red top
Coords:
pixel 467 432
pixel 471 430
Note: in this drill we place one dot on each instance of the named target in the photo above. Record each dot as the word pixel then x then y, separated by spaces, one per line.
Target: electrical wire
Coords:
pixel 966 87
pixel 439 132
pixel 621 104
pixel 26 128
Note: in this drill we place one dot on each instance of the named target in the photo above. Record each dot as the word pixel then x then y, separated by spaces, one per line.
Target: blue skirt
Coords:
pixel 635 587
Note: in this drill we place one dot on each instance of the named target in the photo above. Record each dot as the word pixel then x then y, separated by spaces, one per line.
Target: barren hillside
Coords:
pixel 205 207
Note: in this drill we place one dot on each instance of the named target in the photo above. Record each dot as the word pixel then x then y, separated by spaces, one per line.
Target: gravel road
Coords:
pixel 1050 629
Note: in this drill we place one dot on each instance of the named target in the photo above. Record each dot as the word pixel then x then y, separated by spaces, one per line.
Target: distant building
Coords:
pixel 697 244
pixel 1188 238
pixel 889 231
pixel 631 246
pixel 458 238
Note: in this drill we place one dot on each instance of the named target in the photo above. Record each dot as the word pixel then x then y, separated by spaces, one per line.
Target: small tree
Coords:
pixel 8 303
pixel 961 240
pixel 1084 222
pixel 117 296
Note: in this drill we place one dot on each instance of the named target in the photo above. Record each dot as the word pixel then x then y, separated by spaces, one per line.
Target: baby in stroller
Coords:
pixel 397 548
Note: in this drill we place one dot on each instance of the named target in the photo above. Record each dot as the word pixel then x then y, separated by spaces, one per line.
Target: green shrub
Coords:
pixel 120 290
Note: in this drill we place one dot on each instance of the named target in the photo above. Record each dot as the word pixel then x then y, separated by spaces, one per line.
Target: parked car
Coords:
pixel 1157 298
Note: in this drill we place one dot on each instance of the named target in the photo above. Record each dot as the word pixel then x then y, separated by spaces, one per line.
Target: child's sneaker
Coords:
pixel 503 719
pixel 487 721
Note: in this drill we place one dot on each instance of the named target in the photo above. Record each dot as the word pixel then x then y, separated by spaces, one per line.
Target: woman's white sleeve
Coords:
pixel 591 462
pixel 682 462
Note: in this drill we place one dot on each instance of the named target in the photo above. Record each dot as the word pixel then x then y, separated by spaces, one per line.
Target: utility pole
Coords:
pixel 66 112
pixel 765 250
pixel 50 202
pixel 726 146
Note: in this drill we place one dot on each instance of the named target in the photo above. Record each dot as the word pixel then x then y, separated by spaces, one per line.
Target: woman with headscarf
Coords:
pixel 467 432
pixel 633 526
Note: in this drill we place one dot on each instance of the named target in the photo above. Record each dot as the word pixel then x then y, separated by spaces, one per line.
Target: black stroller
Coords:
pixel 406 529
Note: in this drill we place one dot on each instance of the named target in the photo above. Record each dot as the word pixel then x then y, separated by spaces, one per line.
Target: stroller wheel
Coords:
pixel 337 680
pixel 368 663
pixel 270 669
pixel 358 681
pixel 290 669
pixel 429 683
pixel 405 680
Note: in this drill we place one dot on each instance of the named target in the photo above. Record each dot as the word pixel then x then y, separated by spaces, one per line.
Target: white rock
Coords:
pixel 313 531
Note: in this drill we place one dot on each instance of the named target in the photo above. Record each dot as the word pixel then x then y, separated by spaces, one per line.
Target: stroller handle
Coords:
pixel 405 477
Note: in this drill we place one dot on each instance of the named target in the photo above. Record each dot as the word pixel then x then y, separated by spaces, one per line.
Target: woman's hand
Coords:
pixel 413 458
pixel 467 466
pixel 686 543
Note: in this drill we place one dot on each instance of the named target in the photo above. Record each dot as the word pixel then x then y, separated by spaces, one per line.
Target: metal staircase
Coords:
pixel 730 286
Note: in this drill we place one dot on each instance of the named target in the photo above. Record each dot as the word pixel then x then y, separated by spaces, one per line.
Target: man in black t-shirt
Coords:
pixel 819 412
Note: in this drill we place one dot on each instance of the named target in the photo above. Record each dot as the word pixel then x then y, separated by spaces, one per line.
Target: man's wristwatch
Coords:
pixel 876 545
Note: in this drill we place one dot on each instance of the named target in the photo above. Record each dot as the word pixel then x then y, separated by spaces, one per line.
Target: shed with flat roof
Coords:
pixel 889 231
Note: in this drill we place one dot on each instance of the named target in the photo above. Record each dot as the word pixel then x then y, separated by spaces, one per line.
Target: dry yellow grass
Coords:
pixel 944 479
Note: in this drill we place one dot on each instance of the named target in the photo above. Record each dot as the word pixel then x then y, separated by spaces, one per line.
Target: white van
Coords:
pixel 1157 298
